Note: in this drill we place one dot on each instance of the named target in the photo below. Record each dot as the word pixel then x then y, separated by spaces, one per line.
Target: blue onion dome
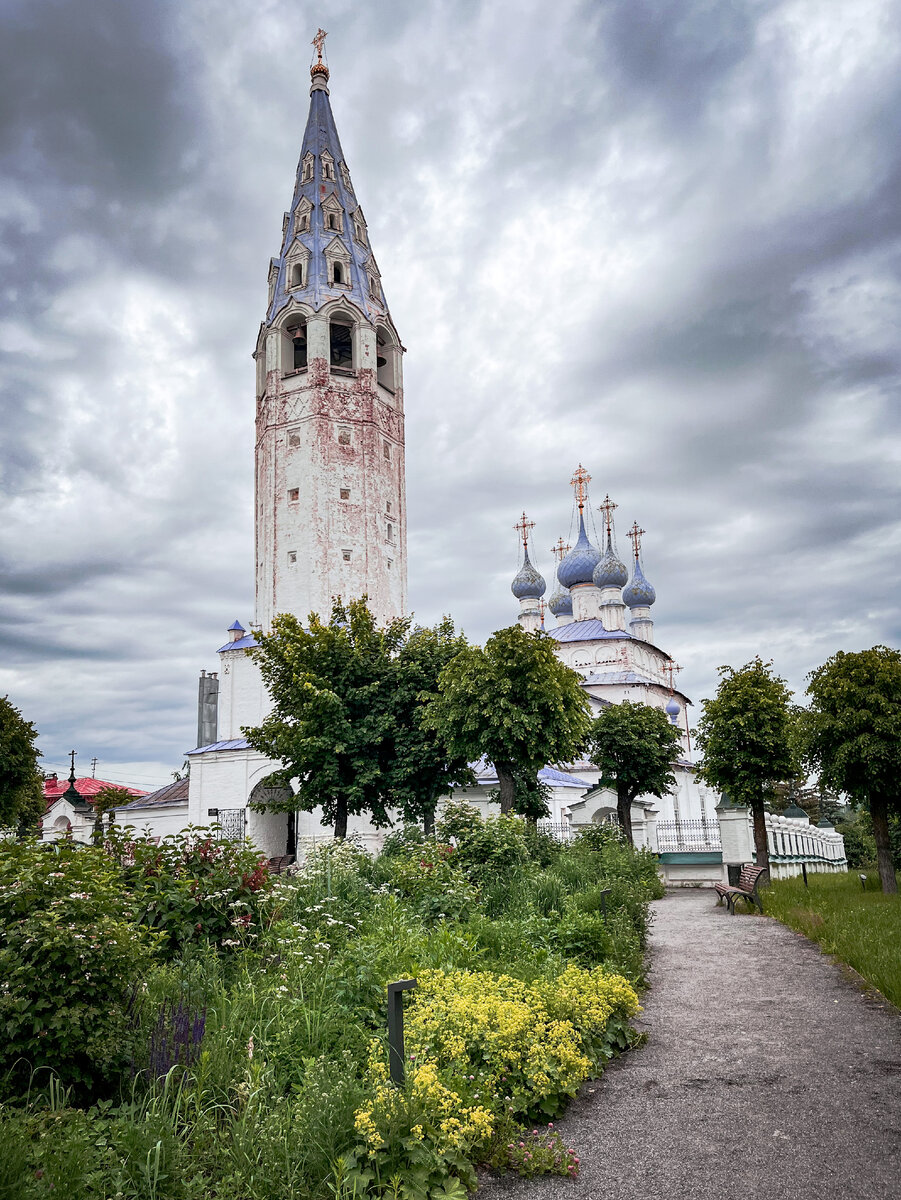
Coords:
pixel 639 593
pixel 561 603
pixel 578 566
pixel 610 572
pixel 529 584
pixel 673 708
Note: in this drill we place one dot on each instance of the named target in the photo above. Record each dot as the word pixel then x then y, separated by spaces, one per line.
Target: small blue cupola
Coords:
pixel 638 593
pixel 610 571
pixel 561 602
pixel 235 631
pixel 528 584
pixel 578 565
pixel 673 709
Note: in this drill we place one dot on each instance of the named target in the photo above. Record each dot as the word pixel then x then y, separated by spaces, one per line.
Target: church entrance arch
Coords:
pixel 274 830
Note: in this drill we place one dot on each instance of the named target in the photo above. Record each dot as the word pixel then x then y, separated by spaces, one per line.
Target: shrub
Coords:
pixel 193 887
pixel 429 876
pixel 69 959
pixel 484 846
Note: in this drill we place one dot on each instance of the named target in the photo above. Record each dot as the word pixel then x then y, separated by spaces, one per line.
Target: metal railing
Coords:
pixel 561 831
pixel 673 836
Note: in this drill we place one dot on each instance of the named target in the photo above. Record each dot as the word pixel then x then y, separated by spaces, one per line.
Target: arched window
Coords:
pixel 298 336
pixel 296 275
pixel 386 359
pixel 338 273
pixel 341 354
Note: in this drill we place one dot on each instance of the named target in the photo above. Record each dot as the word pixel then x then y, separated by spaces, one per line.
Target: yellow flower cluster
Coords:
pixel 483 1044
pixel 440 1111
pixel 474 1021
pixel 588 998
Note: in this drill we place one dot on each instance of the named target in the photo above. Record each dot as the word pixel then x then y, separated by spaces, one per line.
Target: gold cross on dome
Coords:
pixel 523 525
pixel 580 482
pixel 560 550
pixel 635 538
pixel 317 41
pixel 607 509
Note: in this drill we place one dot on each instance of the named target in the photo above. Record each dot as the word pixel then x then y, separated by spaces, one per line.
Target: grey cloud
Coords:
pixel 643 235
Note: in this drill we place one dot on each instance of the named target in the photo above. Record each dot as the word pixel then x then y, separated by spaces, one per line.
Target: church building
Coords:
pixel 330 520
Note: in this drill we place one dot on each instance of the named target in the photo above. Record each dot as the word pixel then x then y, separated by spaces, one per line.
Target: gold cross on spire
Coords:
pixel 607 509
pixel 580 482
pixel 317 41
pixel 635 538
pixel 522 526
pixel 560 550
pixel 671 669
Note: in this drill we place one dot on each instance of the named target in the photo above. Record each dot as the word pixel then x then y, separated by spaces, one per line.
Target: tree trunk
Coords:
pixel 879 813
pixel 624 812
pixel 506 789
pixel 428 816
pixel 341 817
pixel 291 844
pixel 762 850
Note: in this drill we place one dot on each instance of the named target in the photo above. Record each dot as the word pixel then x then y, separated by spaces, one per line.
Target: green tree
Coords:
pixel 633 747
pixel 421 767
pixel 514 703
pixel 746 737
pixel 108 799
pixel 331 725
pixel 855 737
pixel 21 783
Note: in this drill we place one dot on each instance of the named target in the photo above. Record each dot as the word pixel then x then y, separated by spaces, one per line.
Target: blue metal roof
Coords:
pixel 621 677
pixel 639 592
pixel 243 643
pixel 578 565
pixel 587 631
pixel 235 625
pixel 528 582
pixel 610 571
pixel 234 744
pixel 321 134
pixel 486 774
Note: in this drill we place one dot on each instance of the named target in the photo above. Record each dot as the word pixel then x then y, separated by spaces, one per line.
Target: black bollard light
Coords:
pixel 396 1063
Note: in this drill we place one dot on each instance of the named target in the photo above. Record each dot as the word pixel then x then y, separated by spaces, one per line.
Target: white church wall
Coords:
pixel 243 699
pixel 155 822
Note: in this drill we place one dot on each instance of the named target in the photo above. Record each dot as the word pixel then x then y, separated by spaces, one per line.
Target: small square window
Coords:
pixel 345 493
pixel 292 556
pixel 293 439
pixel 293 494
pixel 343 437
pixel 345 554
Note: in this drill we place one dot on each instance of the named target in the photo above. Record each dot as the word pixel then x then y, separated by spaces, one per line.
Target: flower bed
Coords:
pixel 260 1069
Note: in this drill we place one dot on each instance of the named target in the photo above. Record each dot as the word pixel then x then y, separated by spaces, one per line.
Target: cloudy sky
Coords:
pixel 662 237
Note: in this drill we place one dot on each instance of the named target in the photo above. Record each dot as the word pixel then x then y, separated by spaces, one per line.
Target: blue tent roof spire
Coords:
pixel 325 253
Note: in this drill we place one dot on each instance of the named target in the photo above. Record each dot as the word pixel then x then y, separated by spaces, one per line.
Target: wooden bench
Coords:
pixel 280 863
pixel 748 883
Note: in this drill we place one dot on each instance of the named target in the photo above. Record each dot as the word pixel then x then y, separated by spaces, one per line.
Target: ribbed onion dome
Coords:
pixel 610 572
pixel 673 708
pixel 561 603
pixel 529 584
pixel 639 592
pixel 578 566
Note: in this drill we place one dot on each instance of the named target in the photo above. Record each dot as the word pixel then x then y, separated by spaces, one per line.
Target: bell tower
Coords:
pixel 330 504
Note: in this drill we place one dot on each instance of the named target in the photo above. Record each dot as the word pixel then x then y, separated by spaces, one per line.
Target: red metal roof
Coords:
pixel 86 788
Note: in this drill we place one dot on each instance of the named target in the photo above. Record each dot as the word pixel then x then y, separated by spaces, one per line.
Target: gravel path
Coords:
pixel 768 1073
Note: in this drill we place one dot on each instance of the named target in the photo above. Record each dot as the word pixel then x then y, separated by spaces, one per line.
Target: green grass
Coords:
pixel 860 927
